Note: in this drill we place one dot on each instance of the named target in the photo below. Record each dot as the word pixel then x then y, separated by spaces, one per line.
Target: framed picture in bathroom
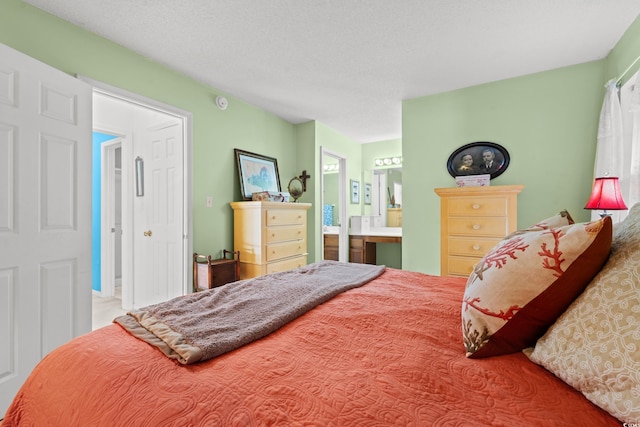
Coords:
pixel 355 192
pixel 367 193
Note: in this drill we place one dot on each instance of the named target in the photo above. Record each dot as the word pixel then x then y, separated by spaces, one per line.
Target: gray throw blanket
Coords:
pixel 200 326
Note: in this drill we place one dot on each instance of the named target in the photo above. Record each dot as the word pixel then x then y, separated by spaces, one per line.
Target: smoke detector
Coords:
pixel 222 102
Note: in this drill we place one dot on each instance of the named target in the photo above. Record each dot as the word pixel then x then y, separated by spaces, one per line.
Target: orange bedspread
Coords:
pixel 388 353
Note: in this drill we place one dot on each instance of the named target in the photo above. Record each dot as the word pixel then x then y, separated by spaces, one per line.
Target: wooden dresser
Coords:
pixel 270 236
pixel 472 221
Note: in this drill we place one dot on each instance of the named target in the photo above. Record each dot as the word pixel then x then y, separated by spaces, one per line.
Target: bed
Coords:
pixel 388 352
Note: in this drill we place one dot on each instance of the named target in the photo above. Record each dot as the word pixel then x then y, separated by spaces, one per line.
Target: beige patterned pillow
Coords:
pixel 595 345
pixel 524 283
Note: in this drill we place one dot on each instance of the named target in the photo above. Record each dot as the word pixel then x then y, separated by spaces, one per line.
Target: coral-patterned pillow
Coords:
pixel 526 281
pixel 560 219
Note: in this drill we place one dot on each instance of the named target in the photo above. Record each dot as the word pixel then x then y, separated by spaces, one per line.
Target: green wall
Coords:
pixel 215 133
pixel 548 123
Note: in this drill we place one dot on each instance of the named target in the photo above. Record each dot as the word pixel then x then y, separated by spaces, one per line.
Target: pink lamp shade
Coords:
pixel 606 195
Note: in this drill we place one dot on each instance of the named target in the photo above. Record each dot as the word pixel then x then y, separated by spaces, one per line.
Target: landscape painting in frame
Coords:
pixel 257 173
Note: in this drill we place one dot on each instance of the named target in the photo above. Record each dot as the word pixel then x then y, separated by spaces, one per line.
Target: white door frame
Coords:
pixel 107 219
pixel 343 222
pixel 127 214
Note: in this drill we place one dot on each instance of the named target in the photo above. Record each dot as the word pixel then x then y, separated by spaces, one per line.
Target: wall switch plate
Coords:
pixel 209 201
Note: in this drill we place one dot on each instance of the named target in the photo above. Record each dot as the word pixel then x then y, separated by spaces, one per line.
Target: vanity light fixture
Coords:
pixel 331 168
pixel 389 161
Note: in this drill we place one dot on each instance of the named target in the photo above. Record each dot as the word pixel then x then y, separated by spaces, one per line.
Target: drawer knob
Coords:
pixel 476 226
pixel 476 206
pixel 476 247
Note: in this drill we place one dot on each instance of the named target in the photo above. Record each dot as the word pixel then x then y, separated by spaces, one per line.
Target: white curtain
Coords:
pixel 618 150
pixel 630 176
pixel 609 151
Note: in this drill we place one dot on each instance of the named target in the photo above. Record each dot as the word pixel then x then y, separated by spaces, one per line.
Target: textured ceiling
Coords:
pixel 350 63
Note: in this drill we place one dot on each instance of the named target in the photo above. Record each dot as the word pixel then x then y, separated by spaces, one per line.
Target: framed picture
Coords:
pixel 478 158
pixel 256 173
pixel 367 193
pixel 355 191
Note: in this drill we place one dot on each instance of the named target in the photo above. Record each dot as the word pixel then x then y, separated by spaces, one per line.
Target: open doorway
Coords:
pixel 107 229
pixel 145 242
pixel 334 225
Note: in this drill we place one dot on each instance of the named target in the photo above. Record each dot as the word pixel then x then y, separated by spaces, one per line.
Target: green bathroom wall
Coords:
pixel 376 150
pixel 389 254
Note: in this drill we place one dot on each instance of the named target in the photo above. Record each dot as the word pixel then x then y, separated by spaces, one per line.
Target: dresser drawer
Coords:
pixel 461 266
pixel 284 234
pixel 288 264
pixel 283 250
pixel 285 216
pixel 493 227
pixel 483 206
pixel 471 247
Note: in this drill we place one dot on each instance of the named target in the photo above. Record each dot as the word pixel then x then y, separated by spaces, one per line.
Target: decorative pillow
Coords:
pixel 526 281
pixel 595 345
pixel 561 219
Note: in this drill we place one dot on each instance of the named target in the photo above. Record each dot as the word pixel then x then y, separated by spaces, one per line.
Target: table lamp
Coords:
pixel 606 195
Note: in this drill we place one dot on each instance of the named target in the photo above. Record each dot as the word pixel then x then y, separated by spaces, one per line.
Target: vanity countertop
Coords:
pixel 379 231
pixel 331 229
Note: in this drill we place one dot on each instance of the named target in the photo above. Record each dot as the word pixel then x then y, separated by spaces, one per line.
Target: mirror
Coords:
pixel 295 188
pixel 387 196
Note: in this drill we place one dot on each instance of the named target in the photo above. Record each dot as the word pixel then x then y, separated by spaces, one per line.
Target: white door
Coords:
pixel 158 215
pixel 111 217
pixel 45 214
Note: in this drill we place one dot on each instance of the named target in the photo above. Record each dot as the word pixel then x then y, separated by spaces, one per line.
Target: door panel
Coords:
pixel 45 214
pixel 158 217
